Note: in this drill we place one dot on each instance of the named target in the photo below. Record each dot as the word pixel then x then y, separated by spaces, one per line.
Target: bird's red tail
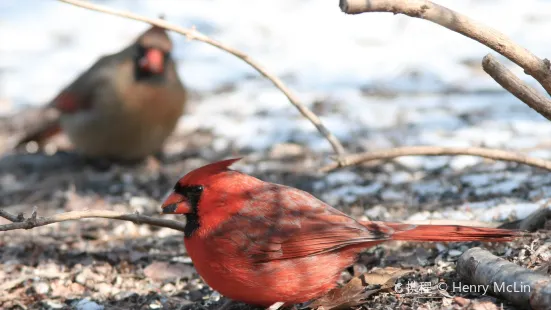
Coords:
pixel 443 233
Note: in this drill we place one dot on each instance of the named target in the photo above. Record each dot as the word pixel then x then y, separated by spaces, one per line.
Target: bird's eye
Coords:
pixel 188 190
pixel 196 189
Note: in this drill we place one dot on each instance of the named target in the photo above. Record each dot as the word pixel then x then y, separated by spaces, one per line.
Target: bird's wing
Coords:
pixel 280 222
pixel 81 93
pixel 77 96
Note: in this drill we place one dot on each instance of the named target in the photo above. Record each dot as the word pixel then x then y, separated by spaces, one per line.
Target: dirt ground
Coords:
pixel 97 263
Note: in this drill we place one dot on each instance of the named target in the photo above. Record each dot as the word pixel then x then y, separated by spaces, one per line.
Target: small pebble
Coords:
pixel 440 247
pixel 127 178
pixel 81 278
pixel 155 305
pixel 377 212
pixel 215 296
pixel 359 269
pixel 54 304
pixel 181 259
pixel 139 202
pixel 41 288
pixel 454 252
pixel 106 289
pixel 169 287
pixel 87 304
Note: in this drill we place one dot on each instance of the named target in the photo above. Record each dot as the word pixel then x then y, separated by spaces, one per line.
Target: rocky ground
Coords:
pixel 97 263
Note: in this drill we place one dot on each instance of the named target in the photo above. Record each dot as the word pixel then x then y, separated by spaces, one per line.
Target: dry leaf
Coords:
pixel 354 292
pixel 350 295
pixel 162 271
pixel 386 277
pixel 461 301
pixel 484 305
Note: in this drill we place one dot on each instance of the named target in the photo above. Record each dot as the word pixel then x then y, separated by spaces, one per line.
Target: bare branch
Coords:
pixel 193 34
pixel 10 217
pixel 532 65
pixel 480 267
pixel 516 86
pixel 35 221
pixel 495 154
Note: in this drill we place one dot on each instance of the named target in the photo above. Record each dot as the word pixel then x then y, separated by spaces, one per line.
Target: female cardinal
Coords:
pixel 123 107
pixel 264 243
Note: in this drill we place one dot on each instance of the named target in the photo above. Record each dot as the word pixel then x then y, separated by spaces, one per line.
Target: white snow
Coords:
pixel 463 161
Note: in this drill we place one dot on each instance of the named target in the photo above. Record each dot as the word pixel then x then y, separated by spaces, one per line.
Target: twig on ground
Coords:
pixel 516 86
pixel 193 34
pixel 495 154
pixel 18 222
pixel 532 65
pixel 519 285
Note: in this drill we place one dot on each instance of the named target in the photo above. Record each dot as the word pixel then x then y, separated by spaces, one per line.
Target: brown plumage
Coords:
pixel 123 107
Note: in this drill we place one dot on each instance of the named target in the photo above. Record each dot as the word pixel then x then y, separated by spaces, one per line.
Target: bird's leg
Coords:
pixel 275 306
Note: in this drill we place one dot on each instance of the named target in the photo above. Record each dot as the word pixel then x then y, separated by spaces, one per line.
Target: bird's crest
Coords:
pixel 156 37
pixel 202 173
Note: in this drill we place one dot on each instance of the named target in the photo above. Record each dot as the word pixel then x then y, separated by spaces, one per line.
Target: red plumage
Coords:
pixel 263 243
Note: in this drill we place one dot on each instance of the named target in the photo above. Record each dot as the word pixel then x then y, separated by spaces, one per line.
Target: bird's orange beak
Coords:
pixel 176 204
pixel 153 61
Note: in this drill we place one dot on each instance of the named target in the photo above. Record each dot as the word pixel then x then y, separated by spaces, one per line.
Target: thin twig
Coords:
pixel 495 154
pixel 193 34
pixel 516 86
pixel 37 221
pixel 532 65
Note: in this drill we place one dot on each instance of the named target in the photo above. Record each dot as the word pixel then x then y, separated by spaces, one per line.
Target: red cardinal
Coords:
pixel 264 243
pixel 123 107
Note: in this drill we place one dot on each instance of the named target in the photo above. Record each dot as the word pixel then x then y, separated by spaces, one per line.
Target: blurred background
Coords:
pixel 363 74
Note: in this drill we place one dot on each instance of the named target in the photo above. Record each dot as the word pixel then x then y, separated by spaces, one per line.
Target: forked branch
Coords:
pixel 516 86
pixel 532 65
